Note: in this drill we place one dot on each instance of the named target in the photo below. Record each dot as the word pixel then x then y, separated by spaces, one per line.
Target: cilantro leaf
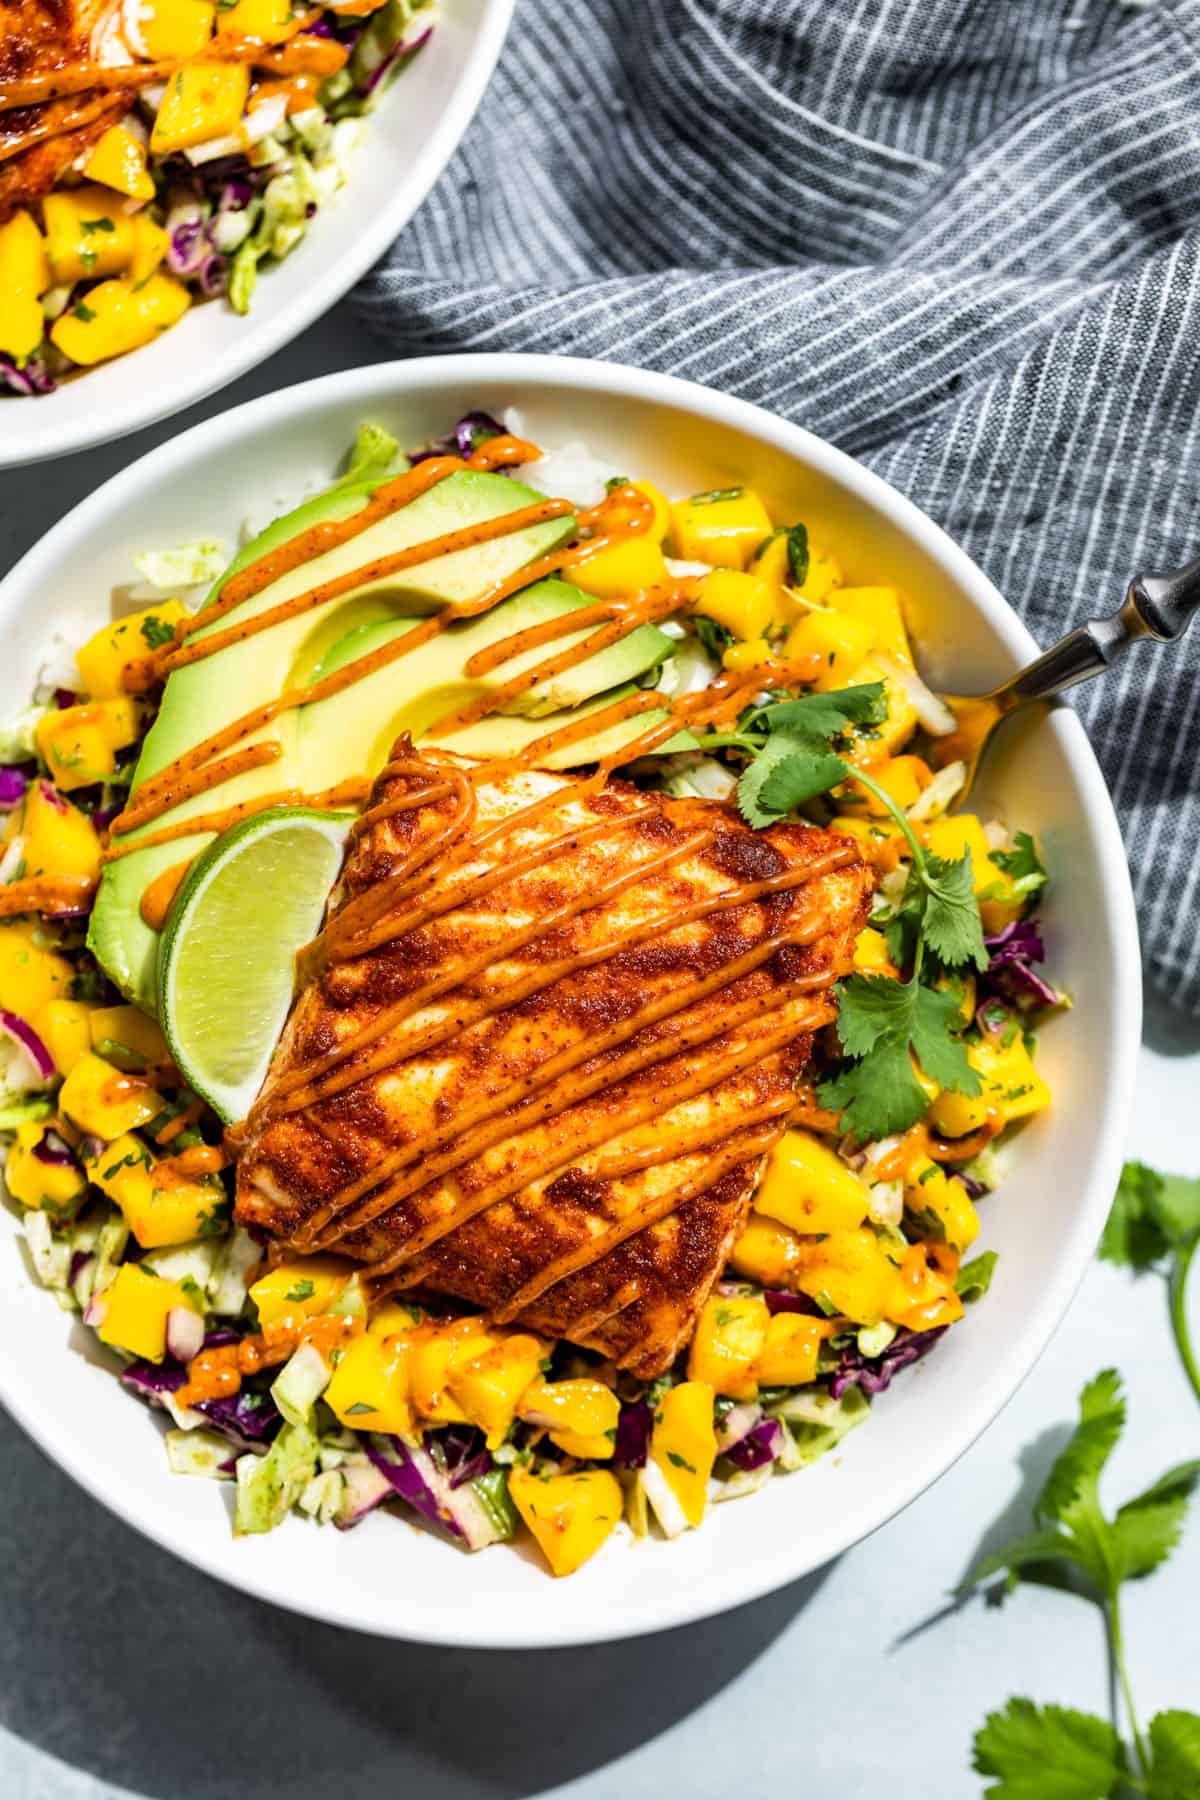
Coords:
pixel 951 921
pixel 1075 1474
pixel 1133 1236
pixel 878 1096
pixel 1048 1753
pixel 714 638
pixel 943 1057
pixel 157 632
pixel 1155 1223
pixel 883 1022
pixel 1175 1746
pixel 1148 1528
pixel 1023 864
pixel 788 771
pixel 975 1277
pixel 820 717
pixel 873 1007
pixel 797 547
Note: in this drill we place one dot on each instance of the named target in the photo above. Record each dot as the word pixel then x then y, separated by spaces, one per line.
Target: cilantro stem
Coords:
pixel 901 818
pixel 1116 1640
pixel 1177 1283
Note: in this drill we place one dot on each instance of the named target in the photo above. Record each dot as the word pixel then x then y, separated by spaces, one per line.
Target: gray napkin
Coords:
pixel 958 238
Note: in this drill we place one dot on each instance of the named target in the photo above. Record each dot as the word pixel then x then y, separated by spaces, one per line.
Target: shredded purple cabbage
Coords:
pixel 1010 974
pixel 52 1149
pixel 975 1189
pixel 399 52
pixel 874 1374
pixel 632 1445
pixel 473 429
pixel 759 1446
pixel 31 378
pixel 408 1479
pixel 461 1450
pixel 780 1302
pixel 13 782
pixel 246 1418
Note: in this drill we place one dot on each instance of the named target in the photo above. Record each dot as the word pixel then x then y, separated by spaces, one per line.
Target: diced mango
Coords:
pixel 743 604
pixel 369 1388
pixel 159 1206
pixel 923 1296
pixel 24 276
pixel 1011 1085
pixel 751 655
pixel 789 1355
pixel 901 720
pixel 439 1350
pixel 79 743
pixel 773 564
pixel 59 839
pixel 266 21
pixel 904 778
pixel 824 574
pixel 393 1317
pixel 489 1386
pixel 126 646
pixel 880 841
pixel 871 954
pixel 841 642
pixel 203 100
pixel 63 1027
pixel 118 161
pixel 136 1306
pixel 175 29
pixel 151 244
pixel 87 233
pixel 768 1252
pixel 850 1272
pixel 104 1101
pixel 30 975
pixel 119 316
pixel 662 509
pixel 941 1203
pixel 954 836
pixel 628 566
pixel 729 1337
pixel 581 1415
pixel 570 1516
pixel 683 1444
pixel 808 1187
pixel 52 1187
pixel 725 527
pixel 879 607
pixel 303 1284
pixel 130 1027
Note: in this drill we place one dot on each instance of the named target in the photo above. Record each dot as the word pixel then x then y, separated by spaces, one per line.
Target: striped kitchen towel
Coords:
pixel 959 238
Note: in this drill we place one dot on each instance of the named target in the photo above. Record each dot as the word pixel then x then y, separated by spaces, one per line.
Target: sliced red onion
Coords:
pixel 975 1189
pixel 52 1149
pixel 758 1447
pixel 396 55
pixel 365 1488
pixel 185 1333
pixel 94 1311
pixel 737 1424
pixel 13 783
pixel 189 245
pixel 31 378
pixel 780 1302
pixel 91 1147
pixel 65 697
pixel 632 1445
pixel 52 797
pixel 28 1041
pixel 213 275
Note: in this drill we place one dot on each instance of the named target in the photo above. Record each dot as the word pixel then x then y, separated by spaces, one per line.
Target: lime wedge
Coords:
pixel 227 963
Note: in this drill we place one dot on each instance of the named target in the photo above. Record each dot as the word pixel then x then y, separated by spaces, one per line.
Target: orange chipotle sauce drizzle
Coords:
pixel 443 871
pixel 219 1371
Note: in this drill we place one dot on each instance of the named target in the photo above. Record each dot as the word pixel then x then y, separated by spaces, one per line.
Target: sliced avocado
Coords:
pixel 200 699
pixel 644 648
pixel 424 685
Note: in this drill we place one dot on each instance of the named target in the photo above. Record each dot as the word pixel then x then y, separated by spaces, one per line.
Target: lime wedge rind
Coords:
pixel 226 967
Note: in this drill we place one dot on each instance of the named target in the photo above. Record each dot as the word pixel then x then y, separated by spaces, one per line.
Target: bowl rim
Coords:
pixel 1017 1357
pixel 274 328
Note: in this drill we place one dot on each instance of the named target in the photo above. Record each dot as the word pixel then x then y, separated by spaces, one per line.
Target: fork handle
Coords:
pixel 1158 607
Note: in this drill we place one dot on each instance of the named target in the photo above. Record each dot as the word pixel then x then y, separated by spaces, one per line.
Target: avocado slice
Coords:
pixel 368 717
pixel 200 699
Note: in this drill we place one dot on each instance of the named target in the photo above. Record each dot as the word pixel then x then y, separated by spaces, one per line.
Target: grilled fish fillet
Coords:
pixel 38 144
pixel 541 1071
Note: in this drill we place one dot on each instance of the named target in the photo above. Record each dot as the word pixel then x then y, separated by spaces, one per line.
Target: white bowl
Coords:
pixel 406 145
pixel 391 1578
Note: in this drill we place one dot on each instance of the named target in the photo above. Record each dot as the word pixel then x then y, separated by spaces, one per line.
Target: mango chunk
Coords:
pixel 725 527
pixel 119 316
pixel 122 650
pixel 768 1252
pixel 87 233
pixel 78 744
pixel 63 1027
pixel 750 655
pixel 59 839
pixel 131 1028
pixel 629 566
pixel 789 1355
pixel 30 974
pixel 203 100
pixel 923 1295
pixel 439 1350
pixel 136 1306
pixel 303 1284
pixel 104 1101
pixel 1011 1085
pixel 743 604
pixel 728 1340
pixel 151 243
pixel 53 1188
pixel 175 29
pixel 841 641
pixel 662 510
pixel 24 276
pixel 570 1516
pixel 808 1187
pixel 581 1415
pixel 369 1388
pixel 267 21
pixel 871 954
pixel 941 1203
pixel 489 1387
pixel 849 1272
pixel 159 1206
pixel 879 607
pixel 683 1445
pixel 118 161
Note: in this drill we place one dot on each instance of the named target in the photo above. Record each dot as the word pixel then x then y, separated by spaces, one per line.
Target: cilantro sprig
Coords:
pixel 882 1023
pixel 1155 1224
pixel 1053 1752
